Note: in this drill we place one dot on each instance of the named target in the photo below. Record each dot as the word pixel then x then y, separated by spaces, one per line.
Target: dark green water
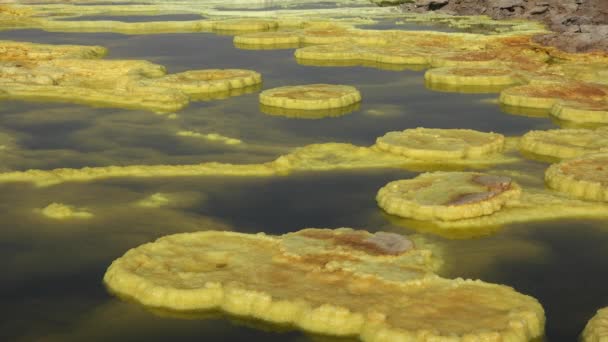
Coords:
pixel 52 290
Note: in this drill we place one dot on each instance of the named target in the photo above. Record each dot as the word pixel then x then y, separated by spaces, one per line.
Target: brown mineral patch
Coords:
pixel 494 183
pixel 469 198
pixel 358 241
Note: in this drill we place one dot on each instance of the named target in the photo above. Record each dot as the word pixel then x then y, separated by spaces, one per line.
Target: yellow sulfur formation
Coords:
pixel 311 96
pixel 436 144
pixel 315 157
pixel 545 95
pixel 68 73
pixel 198 82
pixel 20 51
pixel 585 177
pixel 596 329
pixel 447 195
pixel 245 25
pixel 379 287
pixel 532 205
pixel 564 143
pixel 309 114
pixel 273 38
pixel 59 211
pixel 581 112
pixel 460 76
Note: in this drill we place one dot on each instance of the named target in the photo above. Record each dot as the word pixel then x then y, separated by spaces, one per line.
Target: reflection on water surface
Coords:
pixel 54 290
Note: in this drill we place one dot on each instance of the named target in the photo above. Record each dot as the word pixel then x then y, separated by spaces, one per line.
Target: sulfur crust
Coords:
pixel 197 82
pixel 311 96
pixel 435 144
pixel 245 25
pixel 268 38
pixel 585 177
pixel 596 329
pixel 460 76
pixel 315 157
pixel 75 74
pixel 547 94
pixel 429 196
pixel 308 113
pixel 532 205
pixel 60 211
pixel 350 290
pixel 564 143
pixel 578 112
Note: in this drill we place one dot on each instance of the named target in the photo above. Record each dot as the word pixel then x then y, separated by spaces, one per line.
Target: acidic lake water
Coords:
pixel 52 281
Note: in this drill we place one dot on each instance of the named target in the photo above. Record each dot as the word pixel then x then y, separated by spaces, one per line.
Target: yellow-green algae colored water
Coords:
pixel 52 289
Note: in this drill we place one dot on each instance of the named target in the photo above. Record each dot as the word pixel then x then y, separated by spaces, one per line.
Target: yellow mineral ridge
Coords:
pixel 311 96
pixel 379 287
pixel 596 329
pixel 436 144
pixel 585 177
pixel 565 143
pixel 447 195
pixel 315 157
pixel 60 211
pixel 73 73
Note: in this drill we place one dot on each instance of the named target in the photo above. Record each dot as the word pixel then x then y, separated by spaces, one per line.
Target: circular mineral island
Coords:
pixel 585 177
pixel 447 195
pixel 564 143
pixel 594 112
pixel 309 113
pixel 311 96
pixel 596 329
pixel 343 282
pixel 437 144
pixel 472 76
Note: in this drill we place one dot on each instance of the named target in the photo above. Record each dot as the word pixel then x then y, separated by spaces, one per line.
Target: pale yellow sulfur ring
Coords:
pixel 546 94
pixel 564 143
pixel 436 144
pixel 585 177
pixel 580 112
pixel 311 96
pixel 447 195
pixel 462 76
pixel 596 329
pixel 378 287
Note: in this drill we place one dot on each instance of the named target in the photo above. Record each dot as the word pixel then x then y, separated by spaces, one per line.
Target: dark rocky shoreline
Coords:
pixel 578 25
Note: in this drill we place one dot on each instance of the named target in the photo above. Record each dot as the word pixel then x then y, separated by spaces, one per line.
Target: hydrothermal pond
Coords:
pixel 297 171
